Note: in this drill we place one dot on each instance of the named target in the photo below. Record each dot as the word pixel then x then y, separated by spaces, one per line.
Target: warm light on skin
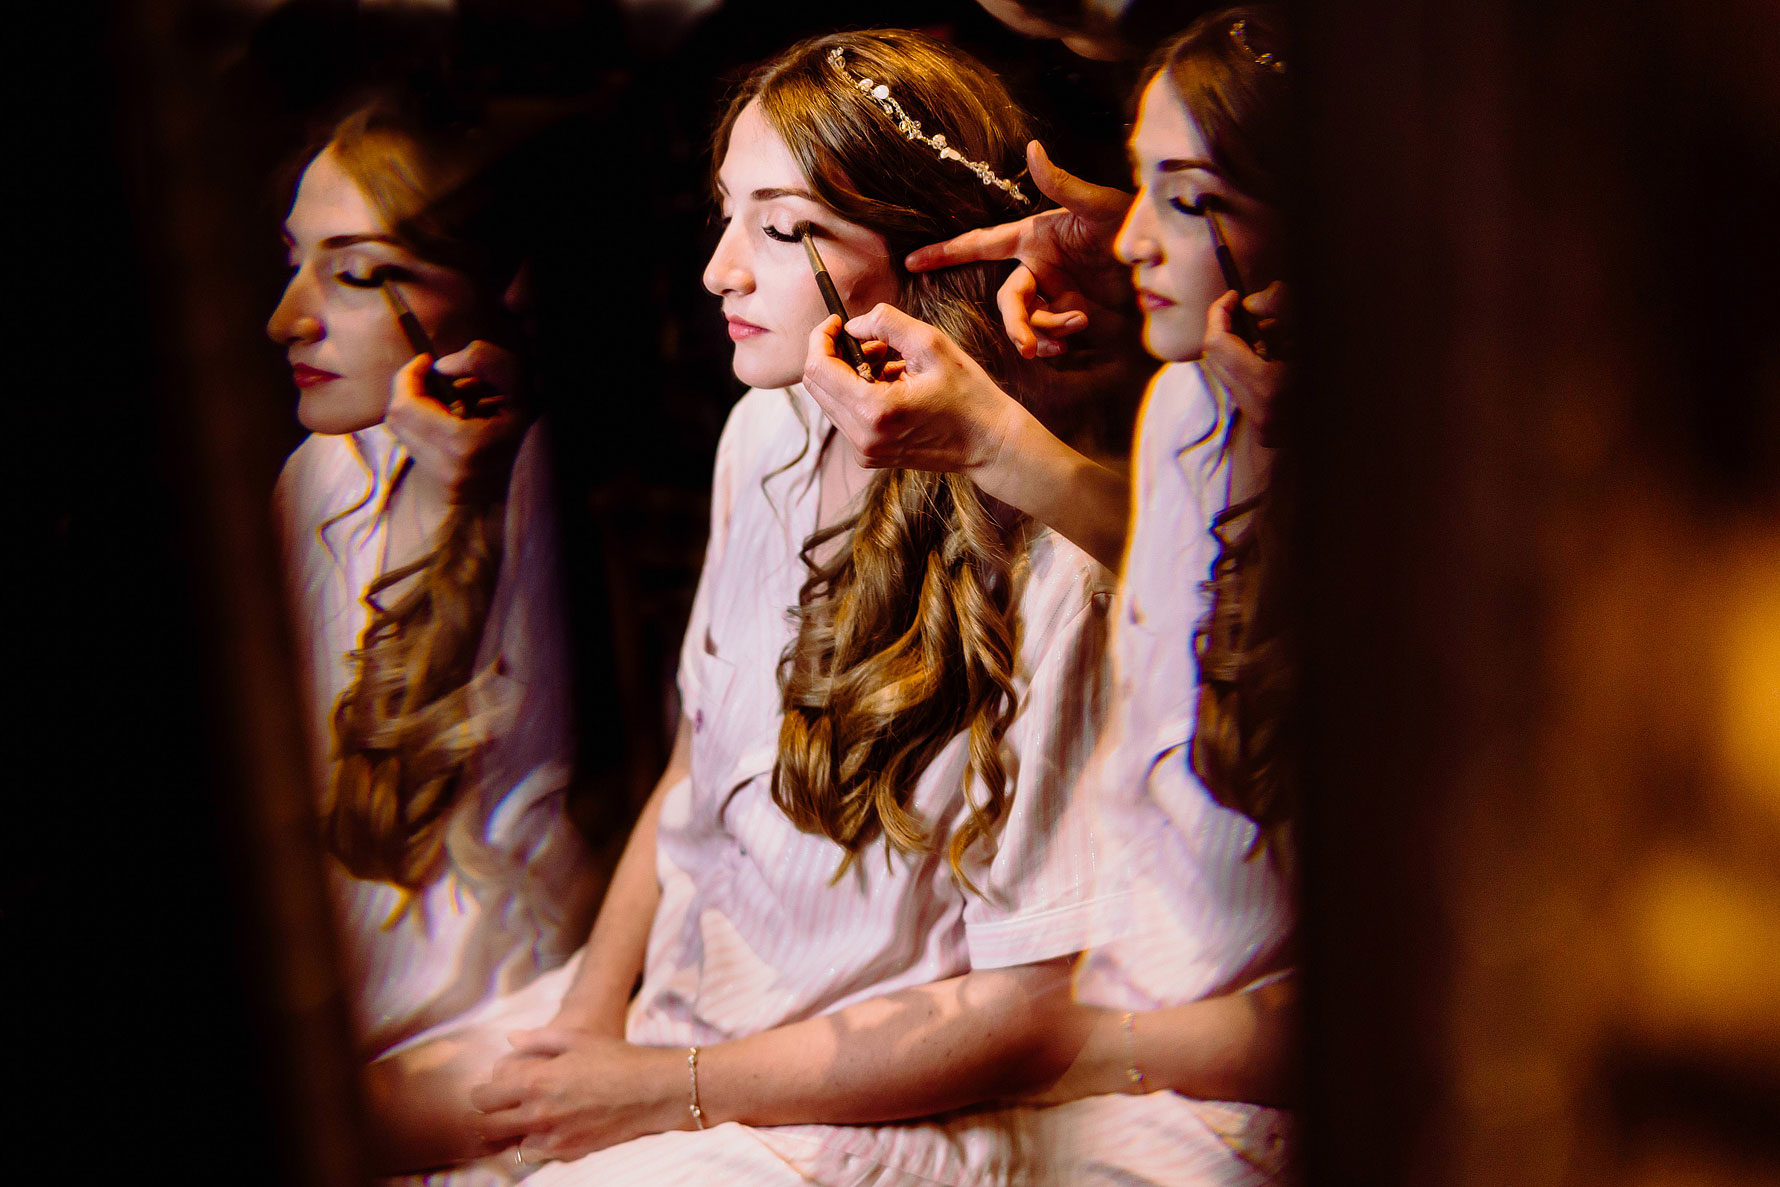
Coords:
pixel 767 283
pixel 1173 265
pixel 350 332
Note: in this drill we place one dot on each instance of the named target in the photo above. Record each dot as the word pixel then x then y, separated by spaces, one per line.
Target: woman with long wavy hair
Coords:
pixel 424 592
pixel 853 899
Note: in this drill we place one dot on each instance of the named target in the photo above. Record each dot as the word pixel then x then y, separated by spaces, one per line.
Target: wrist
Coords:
pixel 1009 449
pixel 696 1116
pixel 600 1014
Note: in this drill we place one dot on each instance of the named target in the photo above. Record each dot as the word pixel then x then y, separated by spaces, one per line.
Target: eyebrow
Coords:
pixel 1181 165
pixel 336 242
pixel 767 195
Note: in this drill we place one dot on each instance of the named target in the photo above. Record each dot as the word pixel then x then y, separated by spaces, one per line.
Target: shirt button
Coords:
pixel 698 721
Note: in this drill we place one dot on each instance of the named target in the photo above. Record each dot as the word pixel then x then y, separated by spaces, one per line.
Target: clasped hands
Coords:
pixel 565 1092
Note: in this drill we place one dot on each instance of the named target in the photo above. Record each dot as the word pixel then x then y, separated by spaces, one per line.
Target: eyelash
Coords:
pixel 777 235
pixel 1195 209
pixel 373 279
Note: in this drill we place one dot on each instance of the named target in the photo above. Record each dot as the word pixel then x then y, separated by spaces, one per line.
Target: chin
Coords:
pixel 1172 344
pixel 766 373
pixel 329 417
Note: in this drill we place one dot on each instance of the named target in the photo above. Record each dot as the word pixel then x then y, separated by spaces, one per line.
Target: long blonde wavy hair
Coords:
pixel 906 635
pixel 410 721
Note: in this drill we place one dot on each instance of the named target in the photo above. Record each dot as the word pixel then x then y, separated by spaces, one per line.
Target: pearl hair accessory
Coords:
pixel 1267 61
pixel 911 128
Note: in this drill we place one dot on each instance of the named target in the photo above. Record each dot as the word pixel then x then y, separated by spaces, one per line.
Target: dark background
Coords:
pixel 1537 261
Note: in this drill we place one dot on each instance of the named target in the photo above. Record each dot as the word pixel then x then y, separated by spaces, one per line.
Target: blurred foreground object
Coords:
pixel 1544 661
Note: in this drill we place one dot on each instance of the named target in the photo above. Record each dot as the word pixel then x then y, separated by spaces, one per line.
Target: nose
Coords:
pixel 727 273
pixel 296 320
pixel 1136 242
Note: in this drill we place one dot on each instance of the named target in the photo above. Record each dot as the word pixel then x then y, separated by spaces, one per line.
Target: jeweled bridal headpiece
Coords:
pixel 911 127
pixel 1267 61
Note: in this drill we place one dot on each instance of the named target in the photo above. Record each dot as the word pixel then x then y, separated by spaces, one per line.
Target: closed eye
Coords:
pixel 374 278
pixel 1196 209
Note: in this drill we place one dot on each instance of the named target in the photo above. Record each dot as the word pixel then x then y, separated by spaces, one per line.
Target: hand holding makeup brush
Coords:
pixel 933 408
pixel 1252 376
pixel 457 453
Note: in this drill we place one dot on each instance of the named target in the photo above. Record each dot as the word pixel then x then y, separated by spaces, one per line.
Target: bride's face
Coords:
pixel 343 343
pixel 770 298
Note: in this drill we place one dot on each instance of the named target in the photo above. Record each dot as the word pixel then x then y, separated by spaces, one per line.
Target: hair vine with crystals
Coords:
pixel 910 127
pixel 1268 61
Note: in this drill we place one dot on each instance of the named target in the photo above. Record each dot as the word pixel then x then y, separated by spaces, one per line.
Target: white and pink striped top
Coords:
pixel 1204 918
pixel 751 933
pixel 506 908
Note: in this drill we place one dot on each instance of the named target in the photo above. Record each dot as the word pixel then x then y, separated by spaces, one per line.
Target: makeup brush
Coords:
pixel 848 345
pixel 1241 320
pixel 438 386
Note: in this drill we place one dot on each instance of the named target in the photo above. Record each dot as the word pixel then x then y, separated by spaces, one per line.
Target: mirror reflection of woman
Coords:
pixel 424 591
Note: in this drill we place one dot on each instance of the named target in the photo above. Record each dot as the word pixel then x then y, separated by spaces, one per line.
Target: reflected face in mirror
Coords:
pixel 770 298
pixel 342 340
pixel 1169 248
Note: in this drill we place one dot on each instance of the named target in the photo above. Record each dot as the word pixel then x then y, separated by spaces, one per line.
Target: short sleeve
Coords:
pixel 1038 882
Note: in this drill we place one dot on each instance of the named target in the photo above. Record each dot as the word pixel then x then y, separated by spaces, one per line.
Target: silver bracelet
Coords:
pixel 698 1114
pixel 1133 1073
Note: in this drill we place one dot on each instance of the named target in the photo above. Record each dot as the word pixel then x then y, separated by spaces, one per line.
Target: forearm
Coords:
pixel 982 1036
pixel 1239 1046
pixel 1080 499
pixel 615 949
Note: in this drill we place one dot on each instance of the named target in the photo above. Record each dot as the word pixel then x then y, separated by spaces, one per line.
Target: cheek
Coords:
pixel 369 341
pixel 1193 272
pixel 864 284
pixel 448 317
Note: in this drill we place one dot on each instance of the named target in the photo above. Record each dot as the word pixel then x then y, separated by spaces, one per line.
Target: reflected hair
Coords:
pixel 408 725
pixel 1243 742
pixel 906 634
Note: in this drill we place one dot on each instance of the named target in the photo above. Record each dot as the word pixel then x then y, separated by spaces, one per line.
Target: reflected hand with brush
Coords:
pixel 451 412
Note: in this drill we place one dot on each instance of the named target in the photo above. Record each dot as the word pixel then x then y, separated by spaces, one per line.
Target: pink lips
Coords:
pixel 306 376
pixel 1148 300
pixel 739 329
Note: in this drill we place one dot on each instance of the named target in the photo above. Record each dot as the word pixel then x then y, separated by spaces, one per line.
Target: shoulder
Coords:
pixel 313 469
pixel 764 417
pixel 766 431
pixel 529 480
pixel 1061 589
pixel 1179 409
pixel 318 453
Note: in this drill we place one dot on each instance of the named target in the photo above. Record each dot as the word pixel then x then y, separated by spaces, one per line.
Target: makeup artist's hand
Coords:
pixel 1252 376
pixel 460 454
pixel 936 409
pixel 1068 278
pixel 564 1093
pixel 933 409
